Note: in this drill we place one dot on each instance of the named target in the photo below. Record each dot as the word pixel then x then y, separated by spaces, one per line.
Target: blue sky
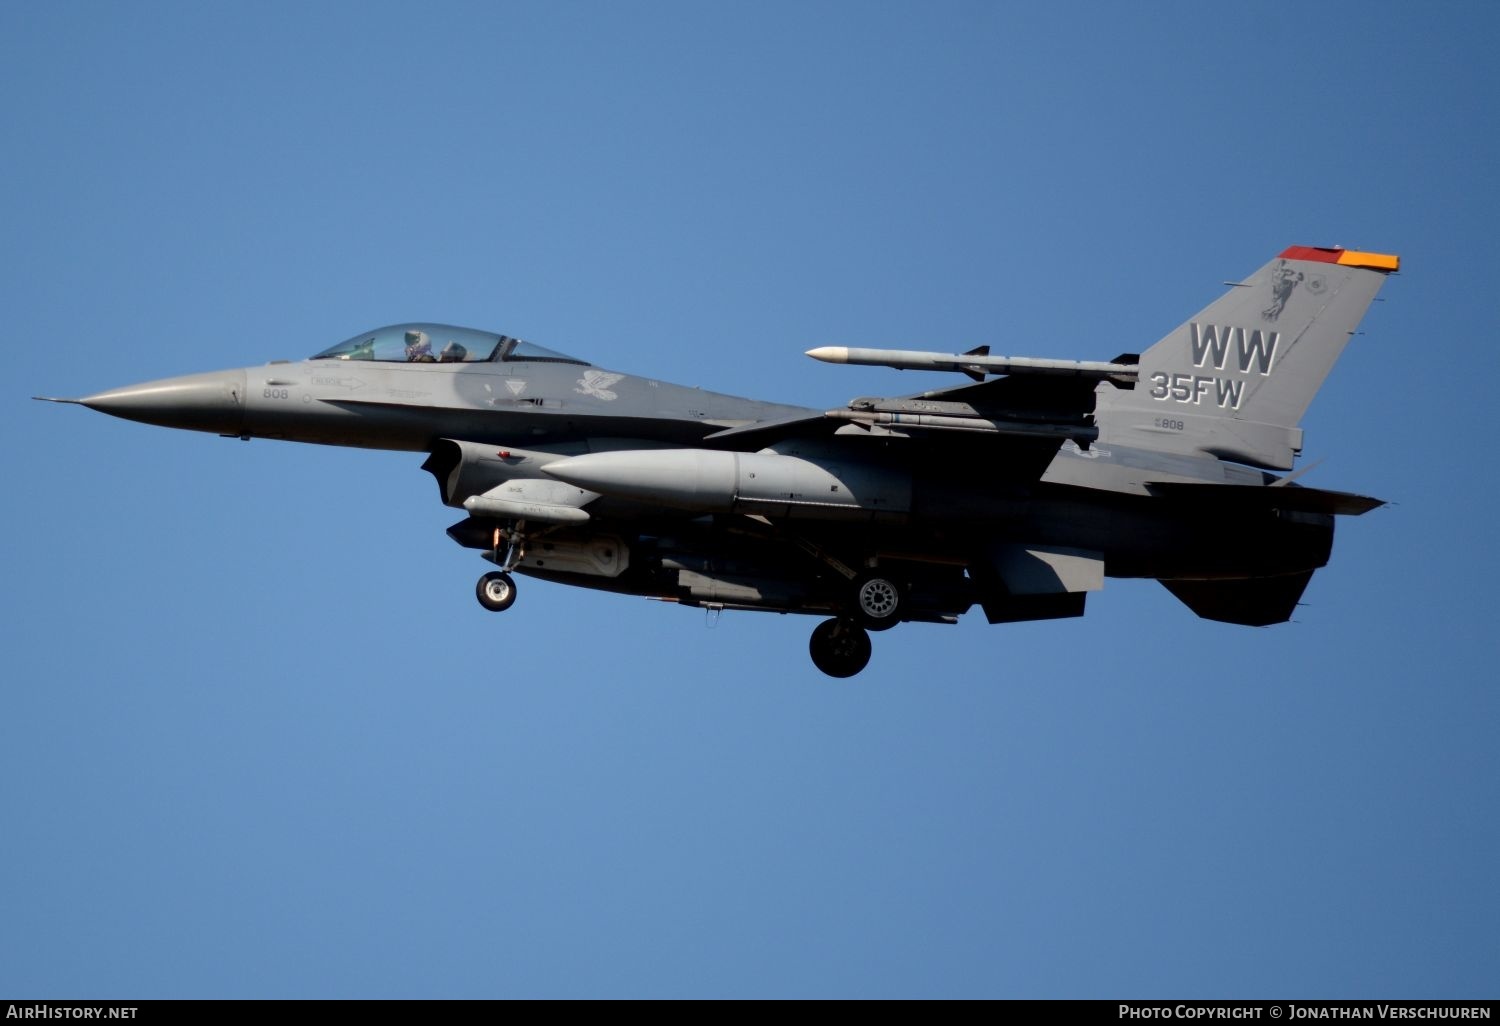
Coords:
pixel 257 738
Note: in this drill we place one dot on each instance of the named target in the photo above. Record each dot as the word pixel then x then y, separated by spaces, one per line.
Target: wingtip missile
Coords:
pixel 976 361
pixel 830 354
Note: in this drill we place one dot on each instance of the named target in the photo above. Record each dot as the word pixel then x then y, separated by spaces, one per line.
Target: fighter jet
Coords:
pixel 1019 490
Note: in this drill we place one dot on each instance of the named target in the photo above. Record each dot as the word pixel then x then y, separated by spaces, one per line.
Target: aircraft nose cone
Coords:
pixel 196 402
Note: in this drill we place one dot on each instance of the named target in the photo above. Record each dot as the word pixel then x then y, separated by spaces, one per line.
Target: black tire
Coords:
pixel 840 648
pixel 496 591
pixel 877 602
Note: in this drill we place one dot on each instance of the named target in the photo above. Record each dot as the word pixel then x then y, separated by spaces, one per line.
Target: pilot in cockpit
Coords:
pixel 452 353
pixel 418 347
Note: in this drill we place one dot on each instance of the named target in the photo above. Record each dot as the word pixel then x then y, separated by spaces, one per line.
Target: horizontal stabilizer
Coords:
pixel 1256 602
pixel 1302 500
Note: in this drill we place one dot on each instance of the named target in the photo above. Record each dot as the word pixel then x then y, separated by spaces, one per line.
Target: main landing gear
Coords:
pixel 877 602
pixel 840 648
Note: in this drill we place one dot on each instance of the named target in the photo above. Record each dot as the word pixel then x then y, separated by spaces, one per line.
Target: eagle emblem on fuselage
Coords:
pixel 596 383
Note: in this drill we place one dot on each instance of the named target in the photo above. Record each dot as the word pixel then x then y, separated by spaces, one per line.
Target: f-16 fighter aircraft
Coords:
pixel 1018 491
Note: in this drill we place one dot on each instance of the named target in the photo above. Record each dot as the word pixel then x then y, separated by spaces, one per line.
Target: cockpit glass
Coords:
pixel 528 351
pixel 416 343
pixel 437 343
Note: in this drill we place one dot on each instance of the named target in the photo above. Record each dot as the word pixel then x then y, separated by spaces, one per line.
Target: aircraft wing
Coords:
pixel 1027 412
pixel 761 433
pixel 1060 401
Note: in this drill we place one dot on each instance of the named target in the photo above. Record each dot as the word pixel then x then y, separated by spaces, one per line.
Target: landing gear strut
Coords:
pixel 840 648
pixel 496 591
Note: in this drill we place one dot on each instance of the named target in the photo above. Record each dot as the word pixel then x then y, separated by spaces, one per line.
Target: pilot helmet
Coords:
pixel 417 344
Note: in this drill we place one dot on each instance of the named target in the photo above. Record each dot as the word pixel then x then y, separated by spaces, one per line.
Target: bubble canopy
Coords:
pixel 421 342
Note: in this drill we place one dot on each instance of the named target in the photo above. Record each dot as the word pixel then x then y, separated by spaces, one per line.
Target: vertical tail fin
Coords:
pixel 1234 381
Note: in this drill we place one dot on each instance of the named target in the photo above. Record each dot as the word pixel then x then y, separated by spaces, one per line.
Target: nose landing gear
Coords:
pixel 496 590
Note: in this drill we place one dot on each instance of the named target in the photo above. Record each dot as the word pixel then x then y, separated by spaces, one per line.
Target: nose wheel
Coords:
pixel 840 648
pixel 496 591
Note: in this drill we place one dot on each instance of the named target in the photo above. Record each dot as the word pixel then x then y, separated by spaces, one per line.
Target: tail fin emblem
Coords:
pixel 1283 281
